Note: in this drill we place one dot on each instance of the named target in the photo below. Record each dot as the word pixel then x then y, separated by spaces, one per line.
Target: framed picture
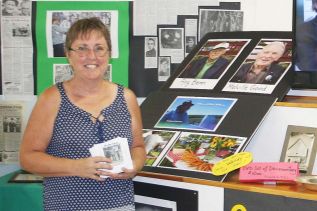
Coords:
pixel 164 198
pixel 300 147
pixel 25 177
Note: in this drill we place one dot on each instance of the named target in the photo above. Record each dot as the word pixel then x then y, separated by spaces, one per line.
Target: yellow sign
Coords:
pixel 232 163
pixel 238 207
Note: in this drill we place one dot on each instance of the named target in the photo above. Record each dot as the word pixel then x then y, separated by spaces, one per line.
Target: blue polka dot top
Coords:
pixel 73 134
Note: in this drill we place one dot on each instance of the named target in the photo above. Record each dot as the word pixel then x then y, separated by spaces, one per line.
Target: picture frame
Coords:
pixel 300 146
pixel 25 177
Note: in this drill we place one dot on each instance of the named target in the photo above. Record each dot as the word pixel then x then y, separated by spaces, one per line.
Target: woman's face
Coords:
pixel 10 6
pixel 89 65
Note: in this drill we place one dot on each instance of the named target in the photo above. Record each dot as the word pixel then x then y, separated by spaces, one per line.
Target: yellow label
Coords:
pixel 238 207
pixel 232 163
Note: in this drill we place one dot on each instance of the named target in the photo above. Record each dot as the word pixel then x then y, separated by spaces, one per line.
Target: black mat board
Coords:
pixel 281 88
pixel 224 6
pixel 186 200
pixel 242 120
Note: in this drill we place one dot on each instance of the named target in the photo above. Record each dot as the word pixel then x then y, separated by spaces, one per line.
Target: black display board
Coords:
pixel 242 120
pixel 280 89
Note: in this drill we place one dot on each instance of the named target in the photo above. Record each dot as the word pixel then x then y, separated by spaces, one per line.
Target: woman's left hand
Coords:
pixel 126 174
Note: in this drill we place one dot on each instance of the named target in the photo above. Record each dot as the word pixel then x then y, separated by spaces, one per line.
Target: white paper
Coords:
pixel 118 150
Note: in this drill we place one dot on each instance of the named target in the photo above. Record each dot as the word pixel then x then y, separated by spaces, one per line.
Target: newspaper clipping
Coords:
pixel 10 131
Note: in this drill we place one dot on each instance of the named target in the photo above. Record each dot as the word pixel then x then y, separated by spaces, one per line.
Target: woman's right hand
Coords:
pixel 90 167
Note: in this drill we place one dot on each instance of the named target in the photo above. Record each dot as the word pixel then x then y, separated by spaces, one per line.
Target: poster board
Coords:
pixel 43 67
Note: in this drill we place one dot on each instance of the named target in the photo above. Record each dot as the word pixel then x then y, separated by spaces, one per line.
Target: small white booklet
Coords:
pixel 118 150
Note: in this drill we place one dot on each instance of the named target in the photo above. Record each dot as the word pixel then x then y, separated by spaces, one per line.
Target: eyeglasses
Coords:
pixel 83 51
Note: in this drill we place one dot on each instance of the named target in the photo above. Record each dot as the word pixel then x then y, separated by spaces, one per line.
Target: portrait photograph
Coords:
pixel 58 23
pixel 199 151
pixel 209 64
pixel 264 67
pixel 300 147
pixel 195 113
pixel 164 68
pixel 150 52
pixel 190 43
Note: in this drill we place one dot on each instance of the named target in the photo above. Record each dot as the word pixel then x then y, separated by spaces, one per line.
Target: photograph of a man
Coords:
pixel 190 43
pixel 265 68
pixel 151 47
pixel 210 67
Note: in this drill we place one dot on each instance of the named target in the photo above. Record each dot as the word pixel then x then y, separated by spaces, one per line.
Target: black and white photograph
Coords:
pixel 265 66
pixel 171 43
pixel 190 42
pixel 108 73
pixel 62 72
pixel 10 8
pixel 117 150
pixel 150 44
pixel 164 68
pixel 11 124
pixel 300 147
pixel 58 23
pixel 21 30
pixel 113 152
pixel 16 7
pixel 211 20
pixel 150 52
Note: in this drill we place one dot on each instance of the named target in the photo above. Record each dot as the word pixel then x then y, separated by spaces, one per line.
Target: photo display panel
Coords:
pixel 186 141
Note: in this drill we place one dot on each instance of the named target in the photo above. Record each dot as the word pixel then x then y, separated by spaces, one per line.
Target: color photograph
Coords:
pixel 156 144
pixel 199 152
pixel 196 113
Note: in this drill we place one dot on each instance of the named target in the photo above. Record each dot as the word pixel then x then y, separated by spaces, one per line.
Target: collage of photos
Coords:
pixel 209 64
pixel 189 151
pixel 196 113
pixel 263 68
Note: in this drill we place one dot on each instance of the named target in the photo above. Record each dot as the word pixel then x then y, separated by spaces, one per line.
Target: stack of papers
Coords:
pixel 117 150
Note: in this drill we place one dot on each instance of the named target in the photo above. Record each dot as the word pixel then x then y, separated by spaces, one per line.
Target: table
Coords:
pixel 20 196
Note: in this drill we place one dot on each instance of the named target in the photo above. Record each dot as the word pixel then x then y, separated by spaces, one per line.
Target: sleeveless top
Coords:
pixel 73 134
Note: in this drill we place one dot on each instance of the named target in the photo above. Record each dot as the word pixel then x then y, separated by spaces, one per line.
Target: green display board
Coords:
pixel 44 64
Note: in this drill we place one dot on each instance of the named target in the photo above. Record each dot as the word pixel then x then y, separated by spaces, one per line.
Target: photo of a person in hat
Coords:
pixel 179 114
pixel 210 67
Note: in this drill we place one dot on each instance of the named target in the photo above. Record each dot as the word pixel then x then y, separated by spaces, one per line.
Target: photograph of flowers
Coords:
pixel 195 113
pixel 189 151
pixel 199 152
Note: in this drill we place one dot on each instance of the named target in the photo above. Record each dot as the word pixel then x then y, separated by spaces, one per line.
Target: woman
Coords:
pixel 71 117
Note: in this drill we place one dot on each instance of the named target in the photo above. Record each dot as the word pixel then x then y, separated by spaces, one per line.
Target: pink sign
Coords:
pixel 269 172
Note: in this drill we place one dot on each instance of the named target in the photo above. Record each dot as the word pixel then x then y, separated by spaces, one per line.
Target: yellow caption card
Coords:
pixel 232 163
